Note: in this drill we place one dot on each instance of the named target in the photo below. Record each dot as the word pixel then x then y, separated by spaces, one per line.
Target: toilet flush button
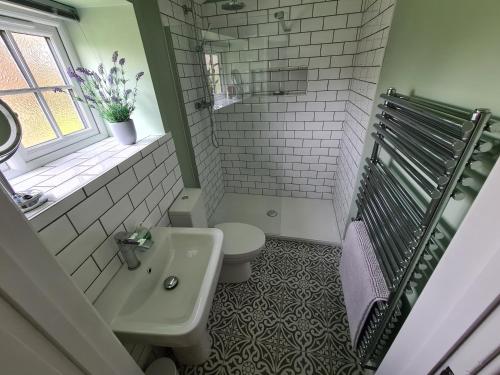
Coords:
pixel 170 282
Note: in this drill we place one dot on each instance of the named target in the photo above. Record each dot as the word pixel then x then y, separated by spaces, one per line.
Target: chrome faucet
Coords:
pixel 127 248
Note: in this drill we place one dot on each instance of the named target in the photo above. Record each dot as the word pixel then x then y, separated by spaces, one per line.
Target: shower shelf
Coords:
pixel 284 68
pixel 291 80
pixel 222 101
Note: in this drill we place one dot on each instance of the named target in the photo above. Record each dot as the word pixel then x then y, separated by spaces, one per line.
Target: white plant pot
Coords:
pixel 124 131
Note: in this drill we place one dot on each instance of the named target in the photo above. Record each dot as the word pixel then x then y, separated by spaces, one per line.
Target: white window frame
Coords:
pixel 26 21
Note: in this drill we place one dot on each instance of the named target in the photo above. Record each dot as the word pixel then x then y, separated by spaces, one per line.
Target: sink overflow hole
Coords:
pixel 149 270
pixel 272 213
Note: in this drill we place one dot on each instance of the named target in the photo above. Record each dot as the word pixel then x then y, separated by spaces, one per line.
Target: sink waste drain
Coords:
pixel 170 282
pixel 272 213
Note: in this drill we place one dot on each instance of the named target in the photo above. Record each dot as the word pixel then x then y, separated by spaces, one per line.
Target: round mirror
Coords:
pixel 10 132
pixel 10 139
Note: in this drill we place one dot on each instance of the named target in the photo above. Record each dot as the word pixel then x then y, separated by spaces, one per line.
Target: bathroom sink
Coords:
pixel 137 306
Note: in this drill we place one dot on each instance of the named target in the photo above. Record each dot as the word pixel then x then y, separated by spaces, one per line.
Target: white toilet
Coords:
pixel 242 242
pixel 162 366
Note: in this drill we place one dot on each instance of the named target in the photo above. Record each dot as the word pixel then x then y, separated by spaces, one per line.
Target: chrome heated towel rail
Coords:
pixel 417 164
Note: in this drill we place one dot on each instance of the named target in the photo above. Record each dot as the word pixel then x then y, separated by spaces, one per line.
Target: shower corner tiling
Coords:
pixel 278 98
pixel 283 88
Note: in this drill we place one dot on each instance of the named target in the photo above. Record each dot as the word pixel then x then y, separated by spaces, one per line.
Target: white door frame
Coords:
pixel 36 285
pixel 463 288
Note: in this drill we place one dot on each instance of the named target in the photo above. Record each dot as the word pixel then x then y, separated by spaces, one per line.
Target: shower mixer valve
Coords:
pixel 202 104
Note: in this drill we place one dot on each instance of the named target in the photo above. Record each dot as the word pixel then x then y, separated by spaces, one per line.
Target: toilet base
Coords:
pixel 235 272
pixel 195 354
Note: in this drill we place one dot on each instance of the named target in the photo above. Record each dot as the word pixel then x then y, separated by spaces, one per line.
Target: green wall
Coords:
pixel 101 31
pixel 447 50
pixel 159 50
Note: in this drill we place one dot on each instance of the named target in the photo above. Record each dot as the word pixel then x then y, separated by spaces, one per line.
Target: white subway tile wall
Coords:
pixel 80 234
pixel 372 40
pixel 207 157
pixel 285 145
pixel 292 145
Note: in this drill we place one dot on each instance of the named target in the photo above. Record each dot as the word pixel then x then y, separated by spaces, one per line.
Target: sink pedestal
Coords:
pixel 196 354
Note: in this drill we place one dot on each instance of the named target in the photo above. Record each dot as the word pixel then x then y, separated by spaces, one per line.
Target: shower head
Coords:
pixel 230 5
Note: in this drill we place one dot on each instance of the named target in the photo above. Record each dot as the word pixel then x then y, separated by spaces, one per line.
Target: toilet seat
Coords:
pixel 242 242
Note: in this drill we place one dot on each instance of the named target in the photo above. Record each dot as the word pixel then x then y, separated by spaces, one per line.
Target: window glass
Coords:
pixel 213 68
pixel 10 75
pixel 33 64
pixel 38 56
pixel 65 114
pixel 36 127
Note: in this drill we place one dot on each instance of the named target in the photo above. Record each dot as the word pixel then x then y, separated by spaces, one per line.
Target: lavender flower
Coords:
pixel 112 75
pixel 85 71
pixel 74 75
pixel 105 92
pixel 103 95
pixel 89 98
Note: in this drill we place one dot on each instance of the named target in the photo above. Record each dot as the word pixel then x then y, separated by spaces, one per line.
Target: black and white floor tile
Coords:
pixel 289 318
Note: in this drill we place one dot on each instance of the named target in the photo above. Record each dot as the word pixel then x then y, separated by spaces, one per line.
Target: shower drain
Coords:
pixel 272 213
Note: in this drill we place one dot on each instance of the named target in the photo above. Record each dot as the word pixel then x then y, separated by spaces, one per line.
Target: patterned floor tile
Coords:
pixel 288 319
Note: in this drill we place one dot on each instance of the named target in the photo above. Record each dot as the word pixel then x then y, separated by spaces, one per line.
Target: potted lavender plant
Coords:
pixel 109 95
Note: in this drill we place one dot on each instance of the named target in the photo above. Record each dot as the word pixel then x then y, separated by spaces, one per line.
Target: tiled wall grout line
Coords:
pixel 87 196
pixel 260 184
pixel 206 156
pixel 92 260
pixel 372 34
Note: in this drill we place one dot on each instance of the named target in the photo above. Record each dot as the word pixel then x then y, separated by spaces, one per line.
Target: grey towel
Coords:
pixel 362 279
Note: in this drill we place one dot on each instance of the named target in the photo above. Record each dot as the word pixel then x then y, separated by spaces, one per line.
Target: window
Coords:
pixel 33 62
pixel 214 76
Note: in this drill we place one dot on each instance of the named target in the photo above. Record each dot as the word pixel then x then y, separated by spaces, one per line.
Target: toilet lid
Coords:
pixel 241 238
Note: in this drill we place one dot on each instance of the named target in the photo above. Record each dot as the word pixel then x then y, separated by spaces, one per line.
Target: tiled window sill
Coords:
pixel 69 180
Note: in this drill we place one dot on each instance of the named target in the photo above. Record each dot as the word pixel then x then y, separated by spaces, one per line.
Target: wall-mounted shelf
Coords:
pixel 290 80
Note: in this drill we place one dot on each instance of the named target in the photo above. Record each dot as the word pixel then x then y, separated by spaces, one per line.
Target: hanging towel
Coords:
pixel 362 279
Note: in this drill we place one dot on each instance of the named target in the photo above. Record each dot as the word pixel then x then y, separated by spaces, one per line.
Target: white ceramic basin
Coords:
pixel 137 306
